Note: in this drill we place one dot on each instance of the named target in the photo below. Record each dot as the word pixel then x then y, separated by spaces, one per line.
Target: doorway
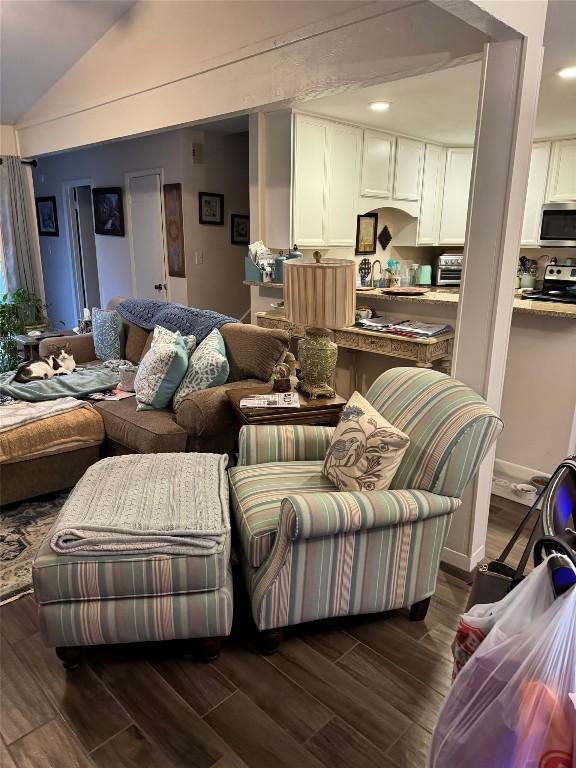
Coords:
pixel 78 196
pixel 146 234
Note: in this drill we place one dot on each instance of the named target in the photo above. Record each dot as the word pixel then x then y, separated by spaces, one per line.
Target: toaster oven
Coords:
pixel 449 269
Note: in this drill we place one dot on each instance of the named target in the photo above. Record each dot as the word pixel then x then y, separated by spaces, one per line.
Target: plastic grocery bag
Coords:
pixel 511 705
pixel 530 599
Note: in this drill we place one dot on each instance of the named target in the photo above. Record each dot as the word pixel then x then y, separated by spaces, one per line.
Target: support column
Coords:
pixel 506 114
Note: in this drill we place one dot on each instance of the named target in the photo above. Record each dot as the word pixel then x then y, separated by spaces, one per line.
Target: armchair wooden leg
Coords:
pixel 207 648
pixel 70 656
pixel 419 610
pixel 270 639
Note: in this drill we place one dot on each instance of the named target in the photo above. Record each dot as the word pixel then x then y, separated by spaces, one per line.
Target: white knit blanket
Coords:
pixel 21 412
pixel 172 503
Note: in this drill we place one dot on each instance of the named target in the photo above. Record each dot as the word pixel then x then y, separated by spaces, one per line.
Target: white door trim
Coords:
pixel 72 238
pixel 127 178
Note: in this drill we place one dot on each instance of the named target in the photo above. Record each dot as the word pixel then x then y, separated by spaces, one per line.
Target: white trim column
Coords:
pixel 506 114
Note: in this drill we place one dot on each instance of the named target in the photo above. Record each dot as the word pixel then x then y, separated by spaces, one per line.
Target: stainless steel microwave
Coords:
pixel 558 225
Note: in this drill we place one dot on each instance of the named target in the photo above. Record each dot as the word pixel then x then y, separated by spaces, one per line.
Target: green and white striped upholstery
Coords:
pixel 138 619
pixel 450 427
pixel 310 551
pixel 258 445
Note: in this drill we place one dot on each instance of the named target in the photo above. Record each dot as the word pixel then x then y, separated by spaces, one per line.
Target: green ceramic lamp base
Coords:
pixel 317 355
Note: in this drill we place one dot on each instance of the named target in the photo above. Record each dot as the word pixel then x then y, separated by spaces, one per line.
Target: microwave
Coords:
pixel 558 225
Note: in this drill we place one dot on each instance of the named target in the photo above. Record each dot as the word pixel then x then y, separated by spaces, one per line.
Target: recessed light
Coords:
pixel 568 73
pixel 380 106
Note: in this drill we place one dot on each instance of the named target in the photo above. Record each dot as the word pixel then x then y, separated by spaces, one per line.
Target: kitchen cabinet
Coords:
pixel 408 169
pixel 377 164
pixel 536 192
pixel 431 195
pixel 457 177
pixel 309 185
pixel 344 147
pixel 562 180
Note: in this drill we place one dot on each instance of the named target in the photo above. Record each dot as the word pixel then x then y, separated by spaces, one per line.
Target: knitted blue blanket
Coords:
pixel 148 313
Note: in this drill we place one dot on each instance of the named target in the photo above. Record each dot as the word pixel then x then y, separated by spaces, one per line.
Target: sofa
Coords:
pixel 310 551
pixel 204 422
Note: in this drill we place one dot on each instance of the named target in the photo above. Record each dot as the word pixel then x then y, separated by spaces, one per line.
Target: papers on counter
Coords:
pixel 273 400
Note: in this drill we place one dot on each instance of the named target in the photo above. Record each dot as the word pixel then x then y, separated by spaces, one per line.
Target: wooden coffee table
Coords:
pixel 320 412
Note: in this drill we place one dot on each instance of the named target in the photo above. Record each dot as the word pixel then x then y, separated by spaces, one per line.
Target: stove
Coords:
pixel 559 285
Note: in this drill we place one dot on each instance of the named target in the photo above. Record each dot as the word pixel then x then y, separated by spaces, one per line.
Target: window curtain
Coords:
pixel 16 222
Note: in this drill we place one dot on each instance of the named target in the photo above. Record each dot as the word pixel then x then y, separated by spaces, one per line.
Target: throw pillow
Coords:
pixel 208 367
pixel 160 373
pixel 107 333
pixel 162 335
pixel 365 450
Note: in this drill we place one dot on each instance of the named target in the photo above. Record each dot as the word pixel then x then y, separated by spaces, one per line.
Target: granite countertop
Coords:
pixel 451 296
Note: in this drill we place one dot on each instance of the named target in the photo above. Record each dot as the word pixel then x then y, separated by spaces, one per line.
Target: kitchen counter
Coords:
pixel 445 296
pixel 451 296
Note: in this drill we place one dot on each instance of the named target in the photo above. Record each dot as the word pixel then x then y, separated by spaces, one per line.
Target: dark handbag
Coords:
pixel 492 581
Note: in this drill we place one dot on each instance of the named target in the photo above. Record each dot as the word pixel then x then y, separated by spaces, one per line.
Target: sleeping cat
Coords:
pixel 60 363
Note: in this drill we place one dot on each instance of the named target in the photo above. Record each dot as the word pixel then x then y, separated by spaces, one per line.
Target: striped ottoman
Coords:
pixel 137 597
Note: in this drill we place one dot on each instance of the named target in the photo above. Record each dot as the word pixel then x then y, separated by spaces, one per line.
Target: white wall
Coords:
pixel 8 144
pixel 225 170
pixel 213 59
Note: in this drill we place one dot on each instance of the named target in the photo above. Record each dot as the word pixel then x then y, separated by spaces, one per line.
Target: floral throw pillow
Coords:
pixel 365 450
pixel 107 334
pixel 208 367
pixel 164 336
pixel 160 373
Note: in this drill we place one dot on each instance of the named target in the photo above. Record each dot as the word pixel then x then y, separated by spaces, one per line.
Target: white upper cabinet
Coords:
pixel 536 192
pixel 455 198
pixel 377 164
pixel 431 202
pixel 408 169
pixel 343 159
pixel 562 181
pixel 310 171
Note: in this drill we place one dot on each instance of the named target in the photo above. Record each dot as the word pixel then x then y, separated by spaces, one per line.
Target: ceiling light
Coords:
pixel 568 73
pixel 380 106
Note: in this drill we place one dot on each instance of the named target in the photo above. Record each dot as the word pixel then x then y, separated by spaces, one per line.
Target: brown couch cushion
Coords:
pixel 208 411
pixel 141 431
pixel 252 351
pixel 136 339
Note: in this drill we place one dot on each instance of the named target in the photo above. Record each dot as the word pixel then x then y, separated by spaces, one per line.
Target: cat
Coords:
pixel 59 363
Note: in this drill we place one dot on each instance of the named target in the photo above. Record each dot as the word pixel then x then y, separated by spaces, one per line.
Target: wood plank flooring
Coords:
pixel 363 692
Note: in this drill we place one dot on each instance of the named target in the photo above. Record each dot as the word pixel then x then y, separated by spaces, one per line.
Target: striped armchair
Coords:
pixel 310 551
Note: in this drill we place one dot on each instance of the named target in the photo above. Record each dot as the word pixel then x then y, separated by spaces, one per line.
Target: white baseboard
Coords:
pixel 462 561
pixel 516 472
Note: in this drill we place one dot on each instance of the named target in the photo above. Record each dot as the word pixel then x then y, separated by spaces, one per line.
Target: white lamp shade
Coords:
pixel 320 295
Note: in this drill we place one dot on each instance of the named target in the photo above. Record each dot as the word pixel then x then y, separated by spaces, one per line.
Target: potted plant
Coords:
pixel 20 312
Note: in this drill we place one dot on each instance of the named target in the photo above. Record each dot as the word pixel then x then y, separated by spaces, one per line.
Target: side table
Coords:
pixel 28 345
pixel 320 412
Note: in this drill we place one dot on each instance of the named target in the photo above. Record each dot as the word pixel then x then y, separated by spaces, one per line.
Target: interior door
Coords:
pixel 88 262
pixel 147 236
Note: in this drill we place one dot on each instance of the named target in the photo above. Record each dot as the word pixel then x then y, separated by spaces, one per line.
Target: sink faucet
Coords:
pixel 376 261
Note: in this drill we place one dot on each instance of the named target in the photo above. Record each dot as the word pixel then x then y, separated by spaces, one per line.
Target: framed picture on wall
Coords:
pixel 174 230
pixel 108 211
pixel 366 227
pixel 239 229
pixel 47 216
pixel 211 208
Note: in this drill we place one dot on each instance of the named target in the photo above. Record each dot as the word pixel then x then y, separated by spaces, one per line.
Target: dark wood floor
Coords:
pixel 361 692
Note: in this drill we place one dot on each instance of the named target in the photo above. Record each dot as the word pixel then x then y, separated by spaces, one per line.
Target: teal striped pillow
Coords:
pixel 160 373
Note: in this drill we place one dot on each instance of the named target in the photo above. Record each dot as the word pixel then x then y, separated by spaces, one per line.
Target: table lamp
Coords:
pixel 319 295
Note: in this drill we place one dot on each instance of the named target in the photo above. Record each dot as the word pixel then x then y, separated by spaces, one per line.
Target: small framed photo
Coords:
pixel 108 211
pixel 211 208
pixel 47 216
pixel 366 228
pixel 239 229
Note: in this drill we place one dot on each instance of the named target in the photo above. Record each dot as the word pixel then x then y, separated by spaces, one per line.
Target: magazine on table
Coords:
pixel 272 400
pixel 413 328
pixel 110 394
